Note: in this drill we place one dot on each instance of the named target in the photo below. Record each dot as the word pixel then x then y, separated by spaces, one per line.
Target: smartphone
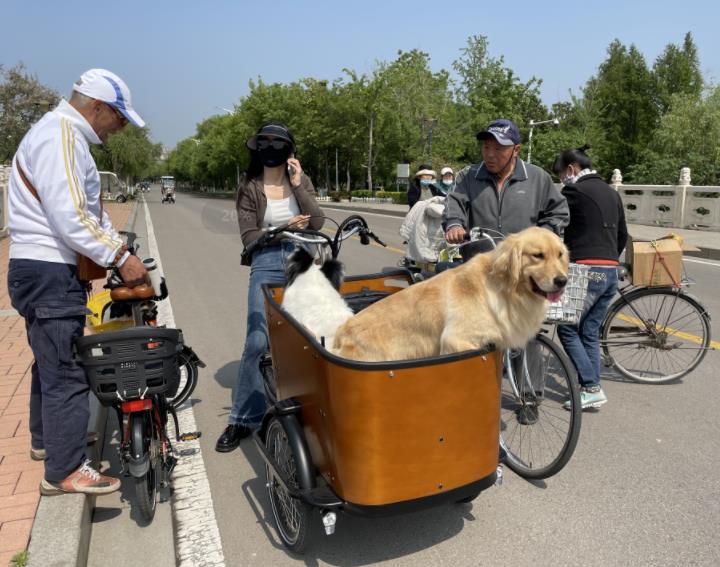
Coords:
pixel 290 168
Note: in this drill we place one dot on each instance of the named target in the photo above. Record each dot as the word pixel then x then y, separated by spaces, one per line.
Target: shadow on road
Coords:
pixel 358 541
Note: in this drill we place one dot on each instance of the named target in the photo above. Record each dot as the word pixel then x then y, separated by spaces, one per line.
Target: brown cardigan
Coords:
pixel 251 202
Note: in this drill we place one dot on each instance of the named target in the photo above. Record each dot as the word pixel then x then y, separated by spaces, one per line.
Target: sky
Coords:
pixel 183 60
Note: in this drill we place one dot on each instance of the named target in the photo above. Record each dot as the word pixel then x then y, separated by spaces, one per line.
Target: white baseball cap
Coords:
pixel 106 86
pixel 445 170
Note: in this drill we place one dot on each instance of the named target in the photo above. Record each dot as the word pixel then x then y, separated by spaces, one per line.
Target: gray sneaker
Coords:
pixel 589 399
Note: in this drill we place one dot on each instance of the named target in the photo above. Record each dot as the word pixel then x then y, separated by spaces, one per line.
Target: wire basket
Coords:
pixel 568 310
pixel 131 363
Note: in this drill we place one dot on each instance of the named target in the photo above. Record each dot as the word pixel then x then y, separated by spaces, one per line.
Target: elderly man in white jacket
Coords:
pixel 55 214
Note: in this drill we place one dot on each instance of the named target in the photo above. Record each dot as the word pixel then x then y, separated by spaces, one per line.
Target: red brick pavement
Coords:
pixel 19 475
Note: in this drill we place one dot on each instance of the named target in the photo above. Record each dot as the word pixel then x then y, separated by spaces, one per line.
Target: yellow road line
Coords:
pixel 670 331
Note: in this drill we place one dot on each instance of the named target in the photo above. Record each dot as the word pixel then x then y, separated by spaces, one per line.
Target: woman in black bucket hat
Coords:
pixel 273 192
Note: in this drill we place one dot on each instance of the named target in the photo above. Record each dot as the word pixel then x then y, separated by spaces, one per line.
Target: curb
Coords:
pixel 62 528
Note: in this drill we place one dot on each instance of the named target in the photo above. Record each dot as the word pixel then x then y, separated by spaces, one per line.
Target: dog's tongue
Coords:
pixel 553 297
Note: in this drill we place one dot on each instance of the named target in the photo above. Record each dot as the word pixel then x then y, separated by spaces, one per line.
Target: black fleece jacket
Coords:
pixel 597 228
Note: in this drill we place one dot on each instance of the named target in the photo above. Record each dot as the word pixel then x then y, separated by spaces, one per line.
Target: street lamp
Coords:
pixel 237 164
pixel 554 121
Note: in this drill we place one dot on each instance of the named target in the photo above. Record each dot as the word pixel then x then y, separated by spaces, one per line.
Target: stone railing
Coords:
pixel 4 177
pixel 680 206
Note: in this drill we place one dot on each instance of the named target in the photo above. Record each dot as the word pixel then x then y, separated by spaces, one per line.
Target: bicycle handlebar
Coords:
pixel 354 224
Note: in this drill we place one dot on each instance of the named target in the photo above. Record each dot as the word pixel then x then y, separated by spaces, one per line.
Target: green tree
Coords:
pixel 129 153
pixel 488 90
pixel 688 136
pixel 623 113
pixel 23 101
pixel 677 71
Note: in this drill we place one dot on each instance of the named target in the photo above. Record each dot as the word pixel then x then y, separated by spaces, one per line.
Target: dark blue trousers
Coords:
pixel 51 299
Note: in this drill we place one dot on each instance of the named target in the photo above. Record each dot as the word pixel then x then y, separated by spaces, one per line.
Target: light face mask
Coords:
pixel 426 182
pixel 448 181
pixel 569 178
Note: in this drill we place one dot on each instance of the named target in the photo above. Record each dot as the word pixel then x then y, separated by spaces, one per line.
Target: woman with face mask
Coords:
pixel 273 192
pixel 423 185
pixel 447 180
pixel 596 236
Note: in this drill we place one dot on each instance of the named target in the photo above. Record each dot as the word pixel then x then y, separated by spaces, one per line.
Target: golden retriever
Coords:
pixel 499 297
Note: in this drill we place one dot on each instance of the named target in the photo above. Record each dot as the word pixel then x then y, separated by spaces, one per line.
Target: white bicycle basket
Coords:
pixel 568 310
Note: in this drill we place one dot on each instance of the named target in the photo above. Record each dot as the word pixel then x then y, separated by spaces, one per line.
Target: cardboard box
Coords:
pixel 658 262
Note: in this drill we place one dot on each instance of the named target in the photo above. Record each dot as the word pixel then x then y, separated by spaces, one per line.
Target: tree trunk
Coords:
pixel 347 170
pixel 370 157
pixel 337 175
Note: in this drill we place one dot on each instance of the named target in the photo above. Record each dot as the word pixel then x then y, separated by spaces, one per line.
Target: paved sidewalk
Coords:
pixel 19 475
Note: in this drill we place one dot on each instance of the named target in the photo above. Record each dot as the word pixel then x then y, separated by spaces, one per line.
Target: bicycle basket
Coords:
pixel 569 308
pixel 131 363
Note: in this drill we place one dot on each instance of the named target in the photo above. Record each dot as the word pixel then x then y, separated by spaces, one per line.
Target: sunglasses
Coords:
pixel 276 144
pixel 118 114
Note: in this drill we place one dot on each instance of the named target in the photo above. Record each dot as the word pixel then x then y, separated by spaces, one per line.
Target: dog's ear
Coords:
pixel 298 263
pixel 508 260
pixel 334 271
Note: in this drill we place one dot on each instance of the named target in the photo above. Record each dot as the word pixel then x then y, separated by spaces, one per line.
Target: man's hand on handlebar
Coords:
pixel 133 272
pixel 455 235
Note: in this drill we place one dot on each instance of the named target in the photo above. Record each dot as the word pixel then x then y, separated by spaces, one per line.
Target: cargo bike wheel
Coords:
pixel 291 515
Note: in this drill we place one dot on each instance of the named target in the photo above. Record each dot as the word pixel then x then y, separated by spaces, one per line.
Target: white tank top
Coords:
pixel 280 211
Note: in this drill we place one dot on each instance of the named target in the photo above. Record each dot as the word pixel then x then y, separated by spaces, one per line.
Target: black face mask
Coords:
pixel 270 157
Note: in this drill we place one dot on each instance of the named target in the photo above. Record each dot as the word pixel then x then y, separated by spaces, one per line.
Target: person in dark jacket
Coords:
pixel 423 185
pixel 596 236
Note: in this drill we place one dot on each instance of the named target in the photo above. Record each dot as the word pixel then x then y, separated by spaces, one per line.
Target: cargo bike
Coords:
pixel 370 439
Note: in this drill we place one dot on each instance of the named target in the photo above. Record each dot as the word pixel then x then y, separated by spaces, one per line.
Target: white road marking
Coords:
pixel 197 536
pixel 706 262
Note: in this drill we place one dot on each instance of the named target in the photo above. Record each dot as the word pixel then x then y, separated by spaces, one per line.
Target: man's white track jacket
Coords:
pixel 55 156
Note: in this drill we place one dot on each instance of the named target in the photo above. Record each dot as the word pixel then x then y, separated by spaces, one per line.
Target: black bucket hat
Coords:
pixel 276 129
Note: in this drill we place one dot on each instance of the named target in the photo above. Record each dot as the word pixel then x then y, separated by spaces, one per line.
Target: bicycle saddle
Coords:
pixel 124 293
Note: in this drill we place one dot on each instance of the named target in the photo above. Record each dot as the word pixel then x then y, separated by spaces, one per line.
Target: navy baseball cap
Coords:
pixel 504 131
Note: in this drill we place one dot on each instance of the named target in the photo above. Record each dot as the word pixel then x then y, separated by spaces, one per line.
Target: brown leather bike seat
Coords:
pixel 136 293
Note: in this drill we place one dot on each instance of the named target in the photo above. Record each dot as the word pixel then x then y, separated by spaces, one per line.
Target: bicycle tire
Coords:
pixel 142 427
pixel 537 433
pixel 291 515
pixel 682 319
pixel 186 388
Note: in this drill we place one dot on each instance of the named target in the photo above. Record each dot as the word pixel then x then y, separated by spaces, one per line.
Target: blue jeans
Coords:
pixel 582 341
pixel 249 403
pixel 51 299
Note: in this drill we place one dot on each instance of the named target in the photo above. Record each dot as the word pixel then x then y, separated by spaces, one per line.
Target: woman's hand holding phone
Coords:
pixel 294 171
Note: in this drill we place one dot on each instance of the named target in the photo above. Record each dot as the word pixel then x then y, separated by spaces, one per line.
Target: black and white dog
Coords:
pixel 312 297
